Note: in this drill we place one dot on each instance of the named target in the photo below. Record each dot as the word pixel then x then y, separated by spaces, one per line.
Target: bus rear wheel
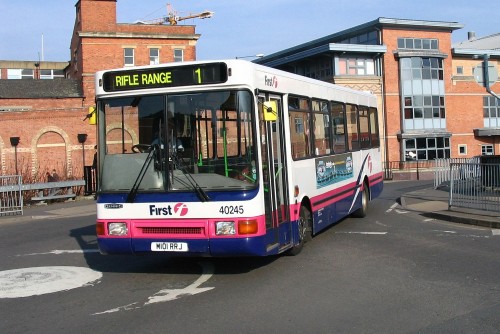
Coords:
pixel 362 211
pixel 305 230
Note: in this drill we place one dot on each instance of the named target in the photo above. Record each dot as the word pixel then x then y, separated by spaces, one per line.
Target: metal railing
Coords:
pixel 442 169
pixel 11 197
pixel 408 170
pixel 475 186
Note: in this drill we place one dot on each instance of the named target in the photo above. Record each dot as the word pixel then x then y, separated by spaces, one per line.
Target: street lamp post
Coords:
pixel 14 141
pixel 82 138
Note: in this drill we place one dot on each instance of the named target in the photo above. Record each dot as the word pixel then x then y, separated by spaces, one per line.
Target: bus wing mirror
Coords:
pixel 270 111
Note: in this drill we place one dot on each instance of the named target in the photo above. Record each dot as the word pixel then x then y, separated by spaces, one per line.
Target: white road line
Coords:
pixel 367 233
pixel 166 295
pixel 392 207
pixel 64 251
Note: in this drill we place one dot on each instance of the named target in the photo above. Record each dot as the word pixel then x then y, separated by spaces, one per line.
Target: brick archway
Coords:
pixel 131 135
pixel 51 150
pixel 2 156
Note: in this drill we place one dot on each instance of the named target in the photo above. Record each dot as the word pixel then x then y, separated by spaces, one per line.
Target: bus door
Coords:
pixel 274 173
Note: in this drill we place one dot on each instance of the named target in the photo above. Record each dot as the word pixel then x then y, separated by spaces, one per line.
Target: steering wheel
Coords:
pixel 141 148
pixel 243 175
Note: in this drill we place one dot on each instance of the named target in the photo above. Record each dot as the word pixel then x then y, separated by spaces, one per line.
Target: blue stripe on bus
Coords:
pixel 254 246
pixel 222 196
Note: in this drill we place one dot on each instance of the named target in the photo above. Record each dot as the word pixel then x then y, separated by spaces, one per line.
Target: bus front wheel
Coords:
pixel 305 230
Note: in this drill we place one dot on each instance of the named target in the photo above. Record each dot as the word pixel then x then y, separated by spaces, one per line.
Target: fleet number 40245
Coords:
pixel 231 209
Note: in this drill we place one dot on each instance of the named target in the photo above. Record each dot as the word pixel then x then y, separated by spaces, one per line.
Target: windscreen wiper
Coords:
pixel 133 192
pixel 202 195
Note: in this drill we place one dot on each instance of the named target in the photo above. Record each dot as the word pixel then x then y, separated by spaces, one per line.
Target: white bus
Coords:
pixel 229 158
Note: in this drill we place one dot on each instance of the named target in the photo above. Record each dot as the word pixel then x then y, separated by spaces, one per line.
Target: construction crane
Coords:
pixel 172 18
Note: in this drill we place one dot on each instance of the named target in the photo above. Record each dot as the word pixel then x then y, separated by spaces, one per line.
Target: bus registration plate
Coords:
pixel 169 247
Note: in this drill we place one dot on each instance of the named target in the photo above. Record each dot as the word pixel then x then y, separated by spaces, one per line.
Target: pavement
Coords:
pixel 433 203
pixel 80 207
pixel 429 202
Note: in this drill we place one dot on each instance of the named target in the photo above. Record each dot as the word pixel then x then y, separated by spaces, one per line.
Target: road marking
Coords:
pixel 379 223
pixel 368 233
pixel 166 295
pixel 27 282
pixel 495 232
pixel 64 251
pixel 392 207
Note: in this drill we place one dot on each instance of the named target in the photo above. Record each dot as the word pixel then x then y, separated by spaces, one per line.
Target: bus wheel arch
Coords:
pixel 365 198
pixel 304 226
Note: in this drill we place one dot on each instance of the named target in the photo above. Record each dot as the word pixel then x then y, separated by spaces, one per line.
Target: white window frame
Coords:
pixel 178 57
pixel 487 149
pixel 154 59
pixel 128 57
pixel 462 147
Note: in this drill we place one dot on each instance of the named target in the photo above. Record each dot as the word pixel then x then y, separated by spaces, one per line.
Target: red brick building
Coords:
pixel 47 116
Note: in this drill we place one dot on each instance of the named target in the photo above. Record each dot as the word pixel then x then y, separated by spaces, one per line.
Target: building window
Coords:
pixel 462 149
pixel 20 73
pixel 418 43
pixel 356 66
pixel 154 56
pixel 491 112
pixel 423 93
pixel 460 70
pixel 178 55
pixel 13 73
pixel 319 69
pixel 128 54
pixel 369 38
pixel 426 148
pixel 51 74
pixel 299 125
pixel 487 150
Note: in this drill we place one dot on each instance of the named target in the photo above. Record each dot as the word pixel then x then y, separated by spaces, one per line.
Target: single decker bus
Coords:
pixel 228 158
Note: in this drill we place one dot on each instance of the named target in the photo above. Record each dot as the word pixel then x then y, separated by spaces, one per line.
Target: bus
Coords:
pixel 228 158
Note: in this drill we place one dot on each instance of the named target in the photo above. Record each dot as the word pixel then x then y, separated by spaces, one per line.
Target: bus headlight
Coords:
pixel 225 228
pixel 117 229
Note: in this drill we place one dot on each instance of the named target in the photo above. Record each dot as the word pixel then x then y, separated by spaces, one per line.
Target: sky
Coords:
pixel 41 29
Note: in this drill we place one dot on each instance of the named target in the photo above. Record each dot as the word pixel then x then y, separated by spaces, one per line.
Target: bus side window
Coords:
pixel 300 132
pixel 321 128
pixel 375 137
pixel 352 128
pixel 337 112
pixel 364 128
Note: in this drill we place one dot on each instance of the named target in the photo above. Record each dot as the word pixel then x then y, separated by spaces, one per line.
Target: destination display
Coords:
pixel 169 76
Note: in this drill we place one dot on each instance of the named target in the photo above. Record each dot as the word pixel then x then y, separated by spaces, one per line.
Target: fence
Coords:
pixel 11 189
pixel 475 186
pixel 442 169
pixel 409 170
pixel 11 197
pixel 473 183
